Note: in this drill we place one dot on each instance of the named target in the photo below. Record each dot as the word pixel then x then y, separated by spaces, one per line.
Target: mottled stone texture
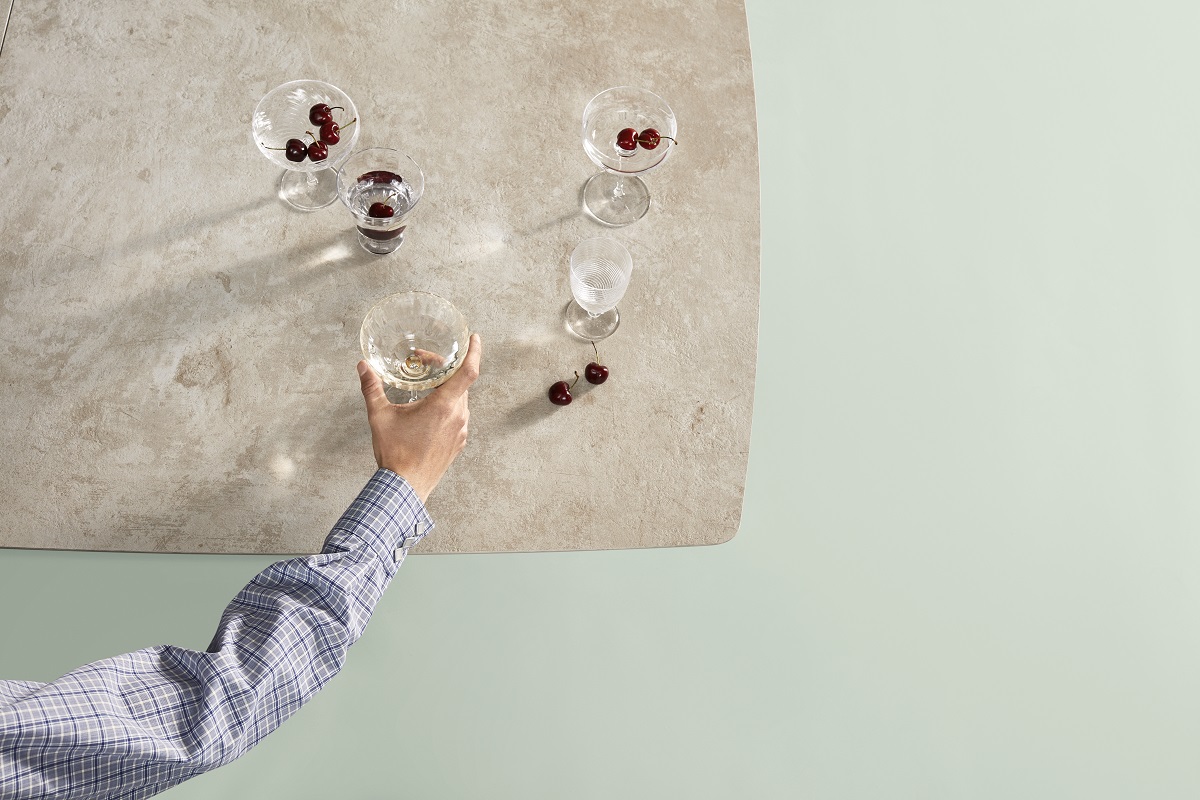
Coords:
pixel 177 346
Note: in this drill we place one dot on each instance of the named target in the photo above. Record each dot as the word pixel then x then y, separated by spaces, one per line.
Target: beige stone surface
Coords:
pixel 177 346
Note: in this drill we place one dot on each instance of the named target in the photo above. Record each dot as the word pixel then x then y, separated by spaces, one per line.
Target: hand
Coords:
pixel 418 441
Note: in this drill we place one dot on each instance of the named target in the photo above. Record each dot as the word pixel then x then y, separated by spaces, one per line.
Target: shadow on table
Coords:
pixel 530 412
pixel 171 231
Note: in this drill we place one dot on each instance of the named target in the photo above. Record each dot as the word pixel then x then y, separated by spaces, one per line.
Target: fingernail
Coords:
pixel 363 369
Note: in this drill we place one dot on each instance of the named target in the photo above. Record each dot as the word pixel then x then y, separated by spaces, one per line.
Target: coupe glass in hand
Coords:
pixel 381 187
pixel 308 128
pixel 414 340
pixel 627 131
pixel 600 272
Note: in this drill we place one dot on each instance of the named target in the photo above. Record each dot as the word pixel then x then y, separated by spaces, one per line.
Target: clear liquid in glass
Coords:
pixel 381 186
pixel 409 363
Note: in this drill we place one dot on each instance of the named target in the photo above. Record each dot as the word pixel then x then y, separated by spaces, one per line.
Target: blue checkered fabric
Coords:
pixel 136 724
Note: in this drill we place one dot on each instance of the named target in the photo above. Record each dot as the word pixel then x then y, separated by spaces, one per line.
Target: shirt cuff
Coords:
pixel 386 519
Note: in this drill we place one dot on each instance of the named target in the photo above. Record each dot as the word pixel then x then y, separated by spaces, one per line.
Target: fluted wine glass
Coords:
pixel 414 340
pixel 600 269
pixel 285 115
pixel 626 131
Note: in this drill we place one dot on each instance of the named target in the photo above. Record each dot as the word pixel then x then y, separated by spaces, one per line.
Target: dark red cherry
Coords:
pixel 595 373
pixel 331 132
pixel 380 211
pixel 319 114
pixel 560 392
pixel 627 139
pixel 318 151
pixel 296 150
pixel 649 138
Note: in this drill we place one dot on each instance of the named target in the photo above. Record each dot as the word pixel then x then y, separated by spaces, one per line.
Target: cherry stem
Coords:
pixel 264 146
pixel 348 124
pixel 336 108
pixel 597 352
pixel 572 386
pixel 310 133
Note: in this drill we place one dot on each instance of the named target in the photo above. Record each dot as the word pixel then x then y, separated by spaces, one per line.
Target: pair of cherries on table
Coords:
pixel 318 149
pixel 595 373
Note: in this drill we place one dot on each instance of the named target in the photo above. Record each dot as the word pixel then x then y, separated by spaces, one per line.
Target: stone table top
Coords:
pixel 178 346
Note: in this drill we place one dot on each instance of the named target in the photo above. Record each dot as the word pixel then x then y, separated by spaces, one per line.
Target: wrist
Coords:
pixel 412 478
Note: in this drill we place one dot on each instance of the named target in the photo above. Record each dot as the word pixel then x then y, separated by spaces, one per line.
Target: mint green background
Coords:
pixel 968 560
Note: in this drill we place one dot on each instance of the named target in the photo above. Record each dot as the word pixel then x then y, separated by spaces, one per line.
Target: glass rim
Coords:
pixel 343 186
pixel 311 166
pixel 380 302
pixel 606 240
pixel 465 327
pixel 626 87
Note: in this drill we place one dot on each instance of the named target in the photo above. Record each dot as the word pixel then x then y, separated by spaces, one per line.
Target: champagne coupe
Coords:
pixel 381 187
pixel 600 272
pixel 414 340
pixel 617 196
pixel 282 115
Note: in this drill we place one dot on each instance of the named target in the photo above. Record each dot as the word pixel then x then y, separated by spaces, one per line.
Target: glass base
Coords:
pixel 585 326
pixel 616 199
pixel 380 247
pixel 308 191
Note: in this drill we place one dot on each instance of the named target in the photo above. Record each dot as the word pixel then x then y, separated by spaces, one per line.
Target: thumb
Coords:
pixel 372 387
pixel 468 371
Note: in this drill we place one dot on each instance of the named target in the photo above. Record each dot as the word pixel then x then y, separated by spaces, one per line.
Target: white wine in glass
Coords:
pixel 414 340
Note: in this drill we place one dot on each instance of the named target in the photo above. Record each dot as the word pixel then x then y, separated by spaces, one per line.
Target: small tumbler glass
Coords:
pixel 600 272
pixel 381 187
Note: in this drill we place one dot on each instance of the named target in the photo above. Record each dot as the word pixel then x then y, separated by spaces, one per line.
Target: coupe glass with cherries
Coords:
pixel 381 187
pixel 308 128
pixel 414 340
pixel 627 132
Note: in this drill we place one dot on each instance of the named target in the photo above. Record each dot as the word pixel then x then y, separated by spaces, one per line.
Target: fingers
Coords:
pixel 428 357
pixel 467 374
pixel 372 387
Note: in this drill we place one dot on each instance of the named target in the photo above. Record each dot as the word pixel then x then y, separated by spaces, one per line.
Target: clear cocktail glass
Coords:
pixel 284 114
pixel 414 340
pixel 618 196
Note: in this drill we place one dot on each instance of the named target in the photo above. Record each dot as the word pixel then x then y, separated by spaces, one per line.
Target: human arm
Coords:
pixel 136 724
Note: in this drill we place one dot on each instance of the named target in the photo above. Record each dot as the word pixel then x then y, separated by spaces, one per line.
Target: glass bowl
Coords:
pixel 627 107
pixel 414 340
pixel 281 115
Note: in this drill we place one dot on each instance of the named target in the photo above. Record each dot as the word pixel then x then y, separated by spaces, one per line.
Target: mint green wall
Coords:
pixel 967 566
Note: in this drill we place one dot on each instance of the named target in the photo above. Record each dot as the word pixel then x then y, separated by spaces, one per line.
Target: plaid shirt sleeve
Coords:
pixel 136 724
